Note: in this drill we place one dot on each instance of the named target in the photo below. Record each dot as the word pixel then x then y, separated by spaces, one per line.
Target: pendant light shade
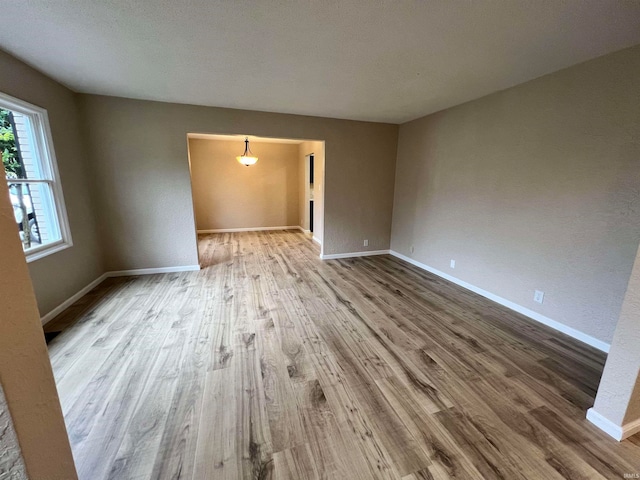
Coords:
pixel 247 157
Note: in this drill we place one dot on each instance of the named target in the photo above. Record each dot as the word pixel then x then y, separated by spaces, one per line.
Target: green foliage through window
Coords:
pixel 8 147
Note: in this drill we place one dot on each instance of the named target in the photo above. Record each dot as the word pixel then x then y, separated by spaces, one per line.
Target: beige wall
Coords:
pixel 25 370
pixel 59 276
pixel 303 188
pixel 305 149
pixel 318 194
pixel 535 187
pixel 227 194
pixel 618 398
pixel 138 151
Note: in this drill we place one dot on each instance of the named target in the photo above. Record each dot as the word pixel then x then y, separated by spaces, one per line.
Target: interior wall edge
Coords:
pixel 618 432
pixel 152 271
pixel 561 327
pixel 44 319
pixel 366 253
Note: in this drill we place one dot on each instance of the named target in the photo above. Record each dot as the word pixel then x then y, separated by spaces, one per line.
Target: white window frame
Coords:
pixel 44 148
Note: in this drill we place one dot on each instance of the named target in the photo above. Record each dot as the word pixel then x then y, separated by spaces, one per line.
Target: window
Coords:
pixel 32 176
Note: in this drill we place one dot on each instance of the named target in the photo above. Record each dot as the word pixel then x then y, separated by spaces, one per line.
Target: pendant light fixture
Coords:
pixel 247 157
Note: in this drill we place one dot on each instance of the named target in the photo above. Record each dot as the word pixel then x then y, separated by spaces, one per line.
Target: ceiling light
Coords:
pixel 247 157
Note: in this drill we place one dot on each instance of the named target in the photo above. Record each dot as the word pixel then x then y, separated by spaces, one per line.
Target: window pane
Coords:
pixel 19 148
pixel 9 147
pixel 27 147
pixel 35 213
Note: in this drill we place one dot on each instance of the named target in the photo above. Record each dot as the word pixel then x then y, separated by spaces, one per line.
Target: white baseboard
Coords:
pixel 73 299
pixel 616 431
pixel 121 273
pixel 334 256
pixel 251 229
pixel 561 327
pixel 604 424
pixel 317 240
pixel 150 271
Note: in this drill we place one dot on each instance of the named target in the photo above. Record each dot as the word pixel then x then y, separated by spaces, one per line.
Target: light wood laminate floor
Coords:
pixel 270 363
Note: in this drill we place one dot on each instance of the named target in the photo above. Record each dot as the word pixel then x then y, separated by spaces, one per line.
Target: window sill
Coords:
pixel 46 250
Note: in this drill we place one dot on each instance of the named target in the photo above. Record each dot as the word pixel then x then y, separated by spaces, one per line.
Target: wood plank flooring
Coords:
pixel 271 364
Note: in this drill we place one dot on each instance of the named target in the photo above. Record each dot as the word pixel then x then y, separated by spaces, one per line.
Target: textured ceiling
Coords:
pixel 376 60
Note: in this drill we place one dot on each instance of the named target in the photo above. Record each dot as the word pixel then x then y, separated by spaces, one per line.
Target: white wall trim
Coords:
pixel 561 327
pixel 604 424
pixel 121 273
pixel 616 431
pixel 150 271
pixel 578 335
pixel 73 299
pixel 251 229
pixel 334 256
pixel 317 240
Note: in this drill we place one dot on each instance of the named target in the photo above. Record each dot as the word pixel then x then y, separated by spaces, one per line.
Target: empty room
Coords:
pixel 320 240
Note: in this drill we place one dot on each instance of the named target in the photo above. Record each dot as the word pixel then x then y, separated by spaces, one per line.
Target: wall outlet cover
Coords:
pixel 452 264
pixel 538 296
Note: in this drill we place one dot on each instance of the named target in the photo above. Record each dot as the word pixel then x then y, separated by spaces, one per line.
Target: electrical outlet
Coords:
pixel 538 296
pixel 411 249
pixel 453 263
pixel 366 243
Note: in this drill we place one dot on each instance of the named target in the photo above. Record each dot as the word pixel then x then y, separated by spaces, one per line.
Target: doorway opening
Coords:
pixel 282 191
